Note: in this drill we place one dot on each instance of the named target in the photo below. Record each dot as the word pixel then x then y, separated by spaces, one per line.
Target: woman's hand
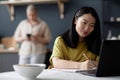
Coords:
pixel 88 64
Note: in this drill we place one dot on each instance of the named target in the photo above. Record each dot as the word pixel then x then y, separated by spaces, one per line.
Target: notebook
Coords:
pixel 109 63
pixel 73 70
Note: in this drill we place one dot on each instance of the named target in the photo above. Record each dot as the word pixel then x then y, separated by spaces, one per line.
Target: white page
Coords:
pixel 73 70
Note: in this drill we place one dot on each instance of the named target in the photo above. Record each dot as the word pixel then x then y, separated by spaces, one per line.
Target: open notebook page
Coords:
pixel 73 70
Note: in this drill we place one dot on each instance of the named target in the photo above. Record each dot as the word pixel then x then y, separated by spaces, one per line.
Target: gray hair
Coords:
pixel 31 7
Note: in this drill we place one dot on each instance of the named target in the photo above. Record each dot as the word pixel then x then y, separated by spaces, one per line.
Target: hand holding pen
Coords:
pixel 91 64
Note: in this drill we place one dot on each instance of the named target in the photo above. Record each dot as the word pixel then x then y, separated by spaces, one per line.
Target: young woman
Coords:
pixel 79 46
pixel 34 35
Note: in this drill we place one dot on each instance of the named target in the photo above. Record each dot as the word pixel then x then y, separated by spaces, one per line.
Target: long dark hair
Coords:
pixel 93 41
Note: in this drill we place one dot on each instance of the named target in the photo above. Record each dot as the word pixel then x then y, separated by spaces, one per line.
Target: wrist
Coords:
pixel 79 66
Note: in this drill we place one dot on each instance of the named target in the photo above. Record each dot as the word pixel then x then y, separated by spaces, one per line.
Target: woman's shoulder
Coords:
pixel 59 39
pixel 60 43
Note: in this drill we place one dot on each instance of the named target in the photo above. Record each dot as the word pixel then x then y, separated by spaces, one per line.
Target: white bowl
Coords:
pixel 29 71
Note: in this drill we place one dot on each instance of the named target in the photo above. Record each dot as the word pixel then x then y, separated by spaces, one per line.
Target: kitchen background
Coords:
pixel 108 11
pixel 49 13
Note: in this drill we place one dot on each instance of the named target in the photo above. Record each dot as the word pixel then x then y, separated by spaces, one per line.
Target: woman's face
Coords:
pixel 85 25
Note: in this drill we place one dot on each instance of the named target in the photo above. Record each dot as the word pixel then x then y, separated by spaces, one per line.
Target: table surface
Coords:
pixel 8 51
pixel 49 74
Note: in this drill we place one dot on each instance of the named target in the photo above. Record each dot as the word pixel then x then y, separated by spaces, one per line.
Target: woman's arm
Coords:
pixel 61 63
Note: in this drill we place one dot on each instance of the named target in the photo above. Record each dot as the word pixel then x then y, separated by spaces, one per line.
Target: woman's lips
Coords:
pixel 85 33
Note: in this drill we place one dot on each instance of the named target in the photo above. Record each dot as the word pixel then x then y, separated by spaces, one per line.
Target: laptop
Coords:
pixel 109 62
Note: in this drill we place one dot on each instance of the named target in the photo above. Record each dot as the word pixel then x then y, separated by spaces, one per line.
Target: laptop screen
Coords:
pixel 109 63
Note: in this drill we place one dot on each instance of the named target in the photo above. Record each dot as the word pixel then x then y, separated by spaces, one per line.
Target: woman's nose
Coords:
pixel 87 27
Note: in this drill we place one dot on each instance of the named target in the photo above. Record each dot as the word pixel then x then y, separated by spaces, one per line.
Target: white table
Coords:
pixel 55 75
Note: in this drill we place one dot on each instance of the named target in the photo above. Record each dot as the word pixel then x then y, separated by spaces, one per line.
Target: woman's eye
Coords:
pixel 92 25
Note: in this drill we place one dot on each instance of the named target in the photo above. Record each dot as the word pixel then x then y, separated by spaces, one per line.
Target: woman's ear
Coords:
pixel 75 21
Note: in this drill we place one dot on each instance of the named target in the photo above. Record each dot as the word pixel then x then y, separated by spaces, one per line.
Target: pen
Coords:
pixel 88 58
